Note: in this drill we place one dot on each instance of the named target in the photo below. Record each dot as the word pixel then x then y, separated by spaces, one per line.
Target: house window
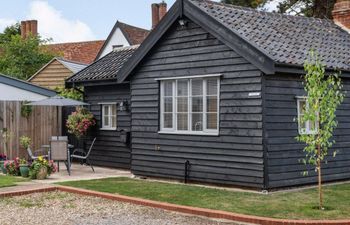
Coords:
pixel 109 116
pixel 305 127
pixel 190 105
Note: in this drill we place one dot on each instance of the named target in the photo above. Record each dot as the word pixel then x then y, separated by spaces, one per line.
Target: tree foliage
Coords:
pixel 246 3
pixel 9 31
pixel 309 8
pixel 70 93
pixel 21 58
pixel 324 95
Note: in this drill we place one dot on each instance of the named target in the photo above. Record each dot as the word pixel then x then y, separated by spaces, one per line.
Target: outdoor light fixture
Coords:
pixel 123 105
pixel 182 22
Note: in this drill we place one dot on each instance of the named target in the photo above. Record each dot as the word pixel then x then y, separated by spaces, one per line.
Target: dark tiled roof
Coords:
pixel 83 52
pixel 105 68
pixel 283 38
pixel 134 35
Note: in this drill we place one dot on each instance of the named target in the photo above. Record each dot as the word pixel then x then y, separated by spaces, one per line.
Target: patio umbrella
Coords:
pixel 58 101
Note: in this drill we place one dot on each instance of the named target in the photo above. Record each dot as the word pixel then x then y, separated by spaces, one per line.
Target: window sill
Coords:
pixel 189 133
pixel 110 129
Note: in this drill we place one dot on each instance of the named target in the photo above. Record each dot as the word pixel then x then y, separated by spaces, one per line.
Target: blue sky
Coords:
pixel 77 20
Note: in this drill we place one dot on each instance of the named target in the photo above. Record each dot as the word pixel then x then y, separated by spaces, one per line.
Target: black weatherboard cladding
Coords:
pixel 236 155
pixel 284 152
pixel 110 150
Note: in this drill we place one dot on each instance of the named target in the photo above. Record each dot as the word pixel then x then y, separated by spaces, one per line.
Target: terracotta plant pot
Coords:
pixel 42 173
pixel 24 170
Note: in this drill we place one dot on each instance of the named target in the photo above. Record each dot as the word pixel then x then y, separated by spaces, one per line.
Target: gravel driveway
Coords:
pixel 66 209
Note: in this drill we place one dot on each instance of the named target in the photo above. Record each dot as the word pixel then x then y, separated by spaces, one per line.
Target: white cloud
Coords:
pixel 52 24
pixel 4 22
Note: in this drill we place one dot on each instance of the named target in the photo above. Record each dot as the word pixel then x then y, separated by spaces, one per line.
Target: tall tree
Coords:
pixel 324 95
pixel 20 57
pixel 310 8
pixel 9 31
pixel 246 3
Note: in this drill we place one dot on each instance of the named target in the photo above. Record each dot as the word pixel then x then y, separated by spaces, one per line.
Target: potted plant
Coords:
pixel 25 141
pixel 79 122
pixel 3 158
pixel 41 168
pixel 24 167
pixel 12 167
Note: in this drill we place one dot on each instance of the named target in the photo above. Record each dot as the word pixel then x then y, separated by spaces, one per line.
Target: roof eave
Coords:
pixel 243 47
pixel 26 86
pixel 286 68
pixel 184 7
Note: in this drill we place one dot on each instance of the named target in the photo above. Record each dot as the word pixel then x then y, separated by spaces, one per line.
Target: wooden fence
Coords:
pixel 40 125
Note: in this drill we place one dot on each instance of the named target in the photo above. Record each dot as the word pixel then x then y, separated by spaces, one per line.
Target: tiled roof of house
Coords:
pixel 106 68
pixel 285 39
pixel 83 52
pixel 134 35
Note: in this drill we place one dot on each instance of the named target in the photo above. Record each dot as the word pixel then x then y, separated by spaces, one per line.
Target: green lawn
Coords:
pixel 300 204
pixel 7 181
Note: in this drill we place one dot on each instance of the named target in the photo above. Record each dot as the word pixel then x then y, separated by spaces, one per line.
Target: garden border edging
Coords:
pixel 179 208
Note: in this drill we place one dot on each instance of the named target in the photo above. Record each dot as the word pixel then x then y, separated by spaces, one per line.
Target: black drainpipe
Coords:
pixel 187 170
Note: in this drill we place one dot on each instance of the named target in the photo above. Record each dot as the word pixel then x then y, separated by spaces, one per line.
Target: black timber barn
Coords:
pixel 217 86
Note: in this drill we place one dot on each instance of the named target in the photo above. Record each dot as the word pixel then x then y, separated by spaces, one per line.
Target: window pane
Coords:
pixel 168 104
pixel 106 110
pixel 168 88
pixel 114 121
pixel 212 104
pixel 197 104
pixel 197 121
pixel 114 110
pixel 168 120
pixel 197 87
pixel 302 104
pixel 182 104
pixel 212 121
pixel 182 87
pixel 212 86
pixel 182 123
pixel 105 121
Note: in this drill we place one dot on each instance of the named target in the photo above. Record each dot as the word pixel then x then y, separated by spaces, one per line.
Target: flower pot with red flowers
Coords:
pixel 12 167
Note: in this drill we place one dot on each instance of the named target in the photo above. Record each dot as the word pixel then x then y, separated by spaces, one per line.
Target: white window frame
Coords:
pixel 110 115
pixel 307 130
pixel 174 130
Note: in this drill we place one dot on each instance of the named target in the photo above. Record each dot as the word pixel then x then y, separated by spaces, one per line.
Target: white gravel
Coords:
pixel 70 209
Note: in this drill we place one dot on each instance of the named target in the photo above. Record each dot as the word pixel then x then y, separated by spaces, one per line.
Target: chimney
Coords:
pixel 23 29
pixel 155 15
pixel 29 27
pixel 158 12
pixel 162 9
pixel 341 14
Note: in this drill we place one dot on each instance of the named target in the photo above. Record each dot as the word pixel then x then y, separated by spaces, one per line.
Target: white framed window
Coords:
pixel 190 105
pixel 305 127
pixel 109 116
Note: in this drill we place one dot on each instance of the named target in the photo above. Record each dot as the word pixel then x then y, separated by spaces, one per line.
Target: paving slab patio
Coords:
pixel 78 172
pixel 83 172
